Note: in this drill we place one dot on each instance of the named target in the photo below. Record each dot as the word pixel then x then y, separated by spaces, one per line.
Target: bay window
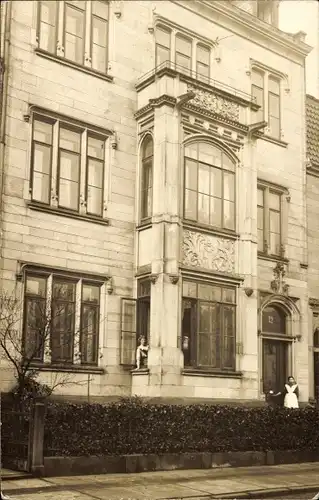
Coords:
pixel 209 326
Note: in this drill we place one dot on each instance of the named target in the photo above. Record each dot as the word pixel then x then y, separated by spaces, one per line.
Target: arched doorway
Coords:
pixel 316 362
pixel 275 348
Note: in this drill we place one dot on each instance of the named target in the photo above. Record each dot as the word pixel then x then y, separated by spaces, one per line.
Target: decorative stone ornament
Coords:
pixel 209 252
pixel 173 278
pixel 109 286
pixel 278 285
pixel 154 278
pixel 214 103
pixel 249 292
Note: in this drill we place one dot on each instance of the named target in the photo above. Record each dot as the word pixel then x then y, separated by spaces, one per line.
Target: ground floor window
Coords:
pixel 209 326
pixel 275 349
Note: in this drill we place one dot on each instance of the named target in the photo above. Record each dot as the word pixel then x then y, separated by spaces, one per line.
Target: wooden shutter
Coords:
pixel 128 332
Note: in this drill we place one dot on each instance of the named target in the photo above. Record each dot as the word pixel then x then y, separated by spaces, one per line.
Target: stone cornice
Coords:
pixel 249 26
pixel 216 117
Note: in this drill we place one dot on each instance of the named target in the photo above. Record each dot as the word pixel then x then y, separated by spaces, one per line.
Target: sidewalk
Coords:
pixel 243 482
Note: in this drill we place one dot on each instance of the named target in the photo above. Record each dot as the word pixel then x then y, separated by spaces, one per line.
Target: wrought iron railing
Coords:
pixel 169 65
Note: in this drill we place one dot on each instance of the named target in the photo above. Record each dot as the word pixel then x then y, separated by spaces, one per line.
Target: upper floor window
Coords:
pixel 76 30
pixel 184 53
pixel 209 325
pixel 266 90
pixel 61 319
pixel 209 186
pixel 269 220
pixel 147 178
pixel 67 166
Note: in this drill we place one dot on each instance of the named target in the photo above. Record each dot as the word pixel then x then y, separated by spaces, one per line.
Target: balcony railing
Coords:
pixel 194 75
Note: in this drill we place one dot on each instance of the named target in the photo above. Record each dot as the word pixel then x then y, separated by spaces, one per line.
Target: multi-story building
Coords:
pixel 154 183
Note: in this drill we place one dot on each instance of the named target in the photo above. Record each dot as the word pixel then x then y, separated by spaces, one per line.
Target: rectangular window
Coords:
pixel 257 91
pixel 67 162
pixel 274 107
pixel 41 160
pixel 209 326
pixel 260 220
pixel 143 308
pixel 269 224
pixel 183 53
pixel 78 20
pixel 202 62
pixel 61 320
pixel 90 313
pixel 163 45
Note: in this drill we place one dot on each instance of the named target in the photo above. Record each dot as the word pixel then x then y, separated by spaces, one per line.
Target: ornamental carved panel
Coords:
pixel 209 252
pixel 214 103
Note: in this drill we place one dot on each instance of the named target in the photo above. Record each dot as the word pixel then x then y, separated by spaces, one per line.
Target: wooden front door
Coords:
pixel 275 358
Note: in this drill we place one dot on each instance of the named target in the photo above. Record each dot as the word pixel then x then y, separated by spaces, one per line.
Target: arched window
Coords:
pixel 209 186
pixel 273 321
pixel 147 178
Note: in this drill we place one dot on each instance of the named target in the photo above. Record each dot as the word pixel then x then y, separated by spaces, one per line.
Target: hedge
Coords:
pixel 135 427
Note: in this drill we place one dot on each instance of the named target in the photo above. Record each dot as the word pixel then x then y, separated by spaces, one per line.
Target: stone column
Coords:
pixel 247 267
pixel 165 356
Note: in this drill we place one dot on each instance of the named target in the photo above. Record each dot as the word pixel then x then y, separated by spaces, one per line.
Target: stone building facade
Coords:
pixel 154 184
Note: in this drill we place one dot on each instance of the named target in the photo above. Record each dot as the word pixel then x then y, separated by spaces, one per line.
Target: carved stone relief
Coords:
pixel 214 103
pixel 208 252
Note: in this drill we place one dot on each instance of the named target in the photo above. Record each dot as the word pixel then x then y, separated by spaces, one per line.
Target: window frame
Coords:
pixel 168 31
pixel 269 76
pixel 222 198
pixel 268 189
pixel 86 132
pixel 146 194
pixel 96 306
pixel 185 38
pixel 77 336
pixel 195 324
pixel 60 29
pixel 199 76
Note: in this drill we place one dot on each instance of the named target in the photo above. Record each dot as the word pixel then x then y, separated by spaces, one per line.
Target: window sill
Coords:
pixel 273 258
pixel 140 371
pixel 274 140
pixel 71 64
pixel 47 367
pixel 65 213
pixel 227 233
pixel 196 372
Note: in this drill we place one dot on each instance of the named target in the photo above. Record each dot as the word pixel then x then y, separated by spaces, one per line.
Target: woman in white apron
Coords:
pixel 291 394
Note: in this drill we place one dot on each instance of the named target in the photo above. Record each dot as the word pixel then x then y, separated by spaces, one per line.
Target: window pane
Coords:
pixel 203 72
pixel 147 147
pixel 209 292
pixel 90 293
pixel 208 344
pixel 274 200
pixel 41 187
pixel 70 140
pixel 99 58
pixel 95 173
pixel 260 197
pixel 64 290
pixel 42 132
pixel 229 215
pixel 189 289
pixel 191 174
pixel 144 288
pixel 96 148
pixel 257 79
pixel 147 175
pixel 69 166
pixel 36 286
pixel 273 86
pixel 190 211
pixel 205 317
pixel 100 8
pixel 203 208
pixel 274 125
pixel 216 182
pixel 260 240
pixel 274 244
pixel 183 46
pixel 35 328
pixel 274 222
pixel 191 151
pixel 69 194
pixel 229 337
pixel 163 37
pixel 42 158
pixel 203 178
pixel 259 95
pixel 162 55
pixel 228 164
pixel 229 186
pixel 209 154
pixel 89 334
pixel 94 200
pixel 274 105
pixel 203 55
pixel 260 218
pixel 273 320
pixel 47 38
pixel 183 61
pixel 99 31
pixel 48 12
pixel 215 212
